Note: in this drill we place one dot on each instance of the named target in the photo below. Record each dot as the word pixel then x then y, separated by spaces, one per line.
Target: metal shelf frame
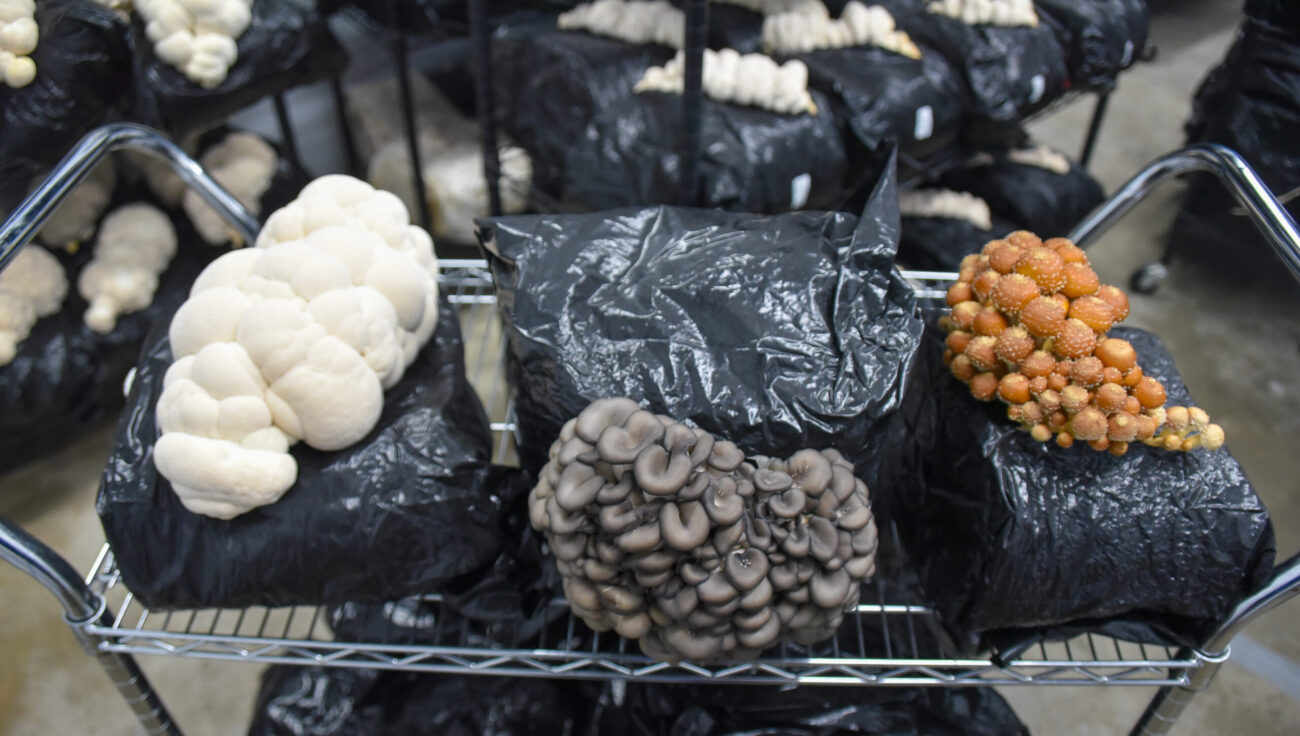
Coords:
pixel 890 640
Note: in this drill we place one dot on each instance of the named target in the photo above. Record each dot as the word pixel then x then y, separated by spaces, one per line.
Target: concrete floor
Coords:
pixel 1229 355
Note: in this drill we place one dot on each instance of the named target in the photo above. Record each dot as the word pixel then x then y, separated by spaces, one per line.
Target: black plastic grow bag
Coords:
pixel 1014 538
pixel 406 509
pixel 777 332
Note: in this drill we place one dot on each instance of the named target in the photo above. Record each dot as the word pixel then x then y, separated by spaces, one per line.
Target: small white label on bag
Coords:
pixel 1128 54
pixel 1037 87
pixel 800 187
pixel 924 123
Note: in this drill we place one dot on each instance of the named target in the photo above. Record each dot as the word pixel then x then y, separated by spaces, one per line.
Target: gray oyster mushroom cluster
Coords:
pixel 665 534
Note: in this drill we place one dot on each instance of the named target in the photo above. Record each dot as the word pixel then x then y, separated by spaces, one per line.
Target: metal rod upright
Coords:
pixel 485 101
pixel 81 608
pixel 401 57
pixel 287 137
pixel 1094 127
pixel 345 126
pixel 691 141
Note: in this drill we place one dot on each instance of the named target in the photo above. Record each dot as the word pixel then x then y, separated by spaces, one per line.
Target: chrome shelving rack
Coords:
pixel 890 640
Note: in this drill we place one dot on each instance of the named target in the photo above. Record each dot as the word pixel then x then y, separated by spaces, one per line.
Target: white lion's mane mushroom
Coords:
pixel 244 164
pixel 858 25
pixel 198 37
pixel 18 37
pixel 1041 156
pixel 32 286
pixel 135 244
pixel 750 79
pixel 633 21
pixel 665 534
pixel 295 339
pixel 73 223
pixel 946 203
pixel 987 12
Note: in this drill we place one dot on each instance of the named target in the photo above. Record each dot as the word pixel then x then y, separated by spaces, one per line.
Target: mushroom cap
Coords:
pixel 622 444
pixel 659 473
pixel 602 413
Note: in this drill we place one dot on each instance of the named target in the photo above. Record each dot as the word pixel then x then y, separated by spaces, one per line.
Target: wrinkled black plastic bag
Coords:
pixel 1281 14
pixel 755 710
pixel 1101 37
pixel 1009 72
pixel 939 243
pixel 887 97
pixel 445 16
pixel 409 507
pixel 1251 104
pixel 777 333
pixel 1039 200
pixel 753 160
pixel 83 73
pixel 317 701
pixel 287 45
pixel 732 27
pixel 509 601
pixel 66 379
pixel 551 84
pixel 1008 533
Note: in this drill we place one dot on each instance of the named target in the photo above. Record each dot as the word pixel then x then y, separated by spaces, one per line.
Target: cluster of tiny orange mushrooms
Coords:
pixel 1028 326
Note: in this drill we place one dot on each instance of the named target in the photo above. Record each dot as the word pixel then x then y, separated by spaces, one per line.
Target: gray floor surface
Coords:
pixel 1236 344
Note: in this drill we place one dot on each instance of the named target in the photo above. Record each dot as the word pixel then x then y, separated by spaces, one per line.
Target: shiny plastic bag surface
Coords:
pixel 551 84
pixel 312 701
pixel 775 332
pixel 1101 37
pixel 83 73
pixel 1037 199
pixel 1008 533
pixel 406 509
pixel 287 44
pixel 752 160
pixel 887 97
pixel 1010 72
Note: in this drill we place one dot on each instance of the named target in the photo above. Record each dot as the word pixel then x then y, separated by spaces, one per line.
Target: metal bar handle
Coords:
pixel 26 220
pixel 1250 191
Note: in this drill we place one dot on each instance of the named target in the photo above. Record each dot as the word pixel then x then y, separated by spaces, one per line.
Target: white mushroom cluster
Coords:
pixel 750 79
pixel 987 12
pixel 199 37
pixel 946 203
pixel 73 223
pixel 18 37
pixel 633 21
pixel 665 534
pixel 295 339
pixel 778 7
pixel 1041 156
pixel 135 244
pixel 32 286
pixel 858 25
pixel 244 164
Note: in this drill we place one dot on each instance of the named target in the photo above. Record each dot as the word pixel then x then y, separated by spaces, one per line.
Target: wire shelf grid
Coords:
pixel 888 640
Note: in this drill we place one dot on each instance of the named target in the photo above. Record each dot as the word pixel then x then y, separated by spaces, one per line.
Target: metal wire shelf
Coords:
pixel 888 640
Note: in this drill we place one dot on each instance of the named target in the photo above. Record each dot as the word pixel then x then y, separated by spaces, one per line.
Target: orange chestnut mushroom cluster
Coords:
pixel 1028 326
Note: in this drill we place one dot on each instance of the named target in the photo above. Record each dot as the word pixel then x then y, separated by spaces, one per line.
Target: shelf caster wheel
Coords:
pixel 1149 278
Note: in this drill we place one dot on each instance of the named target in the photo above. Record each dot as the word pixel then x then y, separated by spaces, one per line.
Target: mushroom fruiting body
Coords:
pixel 946 203
pixel 1043 157
pixel 135 244
pixel 1028 325
pixel 73 223
pixel 858 25
pixel 244 164
pixel 667 535
pixel 19 35
pixel 633 21
pixel 32 286
pixel 987 12
pixel 198 37
pixel 295 339
pixel 750 79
